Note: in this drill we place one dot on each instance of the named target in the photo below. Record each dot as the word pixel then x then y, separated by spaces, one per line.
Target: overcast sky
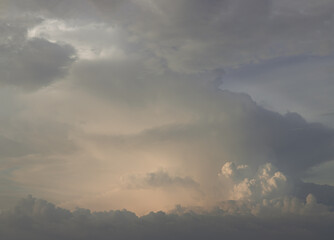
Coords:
pixel 216 111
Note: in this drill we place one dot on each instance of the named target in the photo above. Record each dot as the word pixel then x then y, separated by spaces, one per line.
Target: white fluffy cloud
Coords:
pixel 266 184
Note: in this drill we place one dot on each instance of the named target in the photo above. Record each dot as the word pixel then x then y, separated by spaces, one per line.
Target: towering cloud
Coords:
pixel 147 105
pixel 266 184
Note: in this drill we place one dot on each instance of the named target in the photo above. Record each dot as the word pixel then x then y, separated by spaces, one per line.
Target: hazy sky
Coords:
pixel 216 110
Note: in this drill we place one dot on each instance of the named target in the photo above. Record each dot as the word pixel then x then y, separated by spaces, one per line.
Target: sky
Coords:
pixel 168 119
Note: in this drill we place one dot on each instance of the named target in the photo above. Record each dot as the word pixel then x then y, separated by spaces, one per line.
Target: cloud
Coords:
pixel 175 132
pixel 36 64
pixel 261 79
pixel 276 207
pixel 55 9
pixel 196 36
pixel 266 184
pixel 158 179
pixel 37 219
pixel 142 94
pixel 31 63
pixel 11 148
pixel 323 193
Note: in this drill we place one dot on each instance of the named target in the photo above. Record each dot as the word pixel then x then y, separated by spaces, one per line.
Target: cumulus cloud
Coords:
pixel 267 183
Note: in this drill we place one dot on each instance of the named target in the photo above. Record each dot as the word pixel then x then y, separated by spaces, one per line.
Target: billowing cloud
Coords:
pixel 267 183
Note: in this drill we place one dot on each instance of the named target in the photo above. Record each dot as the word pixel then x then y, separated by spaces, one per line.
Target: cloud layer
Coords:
pixel 37 219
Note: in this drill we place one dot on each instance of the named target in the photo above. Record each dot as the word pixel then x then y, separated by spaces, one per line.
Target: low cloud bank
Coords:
pixel 38 219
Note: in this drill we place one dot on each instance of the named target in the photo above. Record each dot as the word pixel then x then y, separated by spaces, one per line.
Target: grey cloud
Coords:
pixel 30 63
pixel 14 29
pixel 304 84
pixel 67 9
pixel 124 82
pixel 195 36
pixel 162 178
pixel 223 127
pixel 12 148
pixel 288 205
pixel 329 114
pixel 230 122
pixel 208 127
pixel 159 179
pixel 323 193
pixel 169 48
pixel 37 219
pixel 35 63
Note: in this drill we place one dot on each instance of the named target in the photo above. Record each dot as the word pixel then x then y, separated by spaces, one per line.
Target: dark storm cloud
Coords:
pixel 195 36
pixel 201 36
pixel 30 63
pixel 35 63
pixel 37 219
